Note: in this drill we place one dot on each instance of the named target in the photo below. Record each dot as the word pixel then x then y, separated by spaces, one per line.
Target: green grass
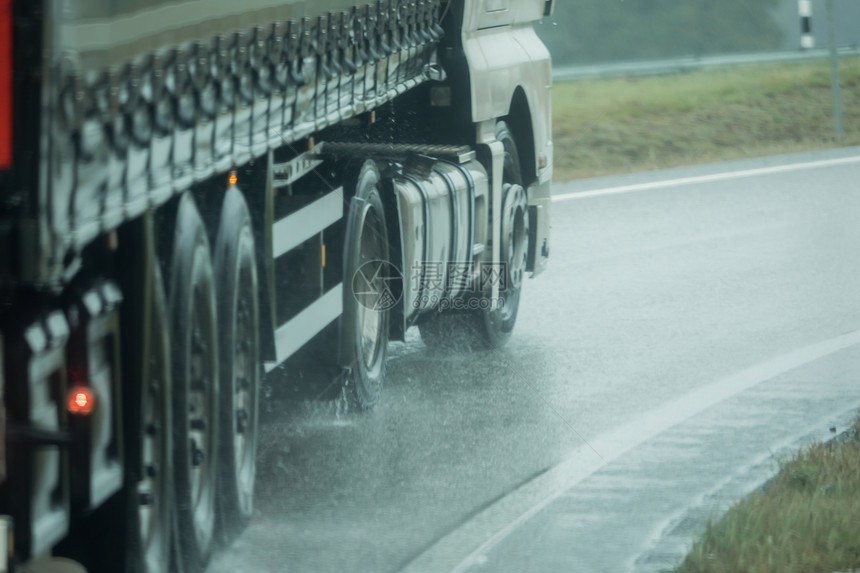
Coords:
pixel 806 521
pixel 624 125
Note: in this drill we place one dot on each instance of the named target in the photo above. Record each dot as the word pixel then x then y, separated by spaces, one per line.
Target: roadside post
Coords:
pixel 834 71
pixel 807 39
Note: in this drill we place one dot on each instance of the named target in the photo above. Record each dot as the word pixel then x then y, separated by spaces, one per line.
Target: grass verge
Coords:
pixel 623 125
pixel 806 521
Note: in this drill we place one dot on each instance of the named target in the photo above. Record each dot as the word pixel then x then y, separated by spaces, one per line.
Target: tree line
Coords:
pixel 584 31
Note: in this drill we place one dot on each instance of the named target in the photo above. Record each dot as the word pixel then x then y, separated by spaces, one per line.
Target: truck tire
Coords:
pixel 239 345
pixel 366 311
pixel 492 327
pixel 195 387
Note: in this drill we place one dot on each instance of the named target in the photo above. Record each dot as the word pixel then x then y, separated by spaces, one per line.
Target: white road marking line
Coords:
pixel 495 523
pixel 705 179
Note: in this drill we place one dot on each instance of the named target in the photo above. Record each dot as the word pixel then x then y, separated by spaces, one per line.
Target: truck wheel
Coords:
pixel 492 328
pixel 367 300
pixel 195 387
pixel 498 322
pixel 152 530
pixel 239 338
pixel 133 531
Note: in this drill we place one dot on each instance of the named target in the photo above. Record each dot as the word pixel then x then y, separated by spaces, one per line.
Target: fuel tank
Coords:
pixel 440 202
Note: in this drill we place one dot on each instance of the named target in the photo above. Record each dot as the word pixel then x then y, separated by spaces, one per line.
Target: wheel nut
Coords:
pixel 197 341
pixel 241 421
pixel 197 458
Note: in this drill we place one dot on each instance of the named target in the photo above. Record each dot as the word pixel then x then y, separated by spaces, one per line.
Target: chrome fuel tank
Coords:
pixel 439 205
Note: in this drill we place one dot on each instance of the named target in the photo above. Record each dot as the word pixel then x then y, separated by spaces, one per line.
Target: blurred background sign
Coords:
pixel 594 31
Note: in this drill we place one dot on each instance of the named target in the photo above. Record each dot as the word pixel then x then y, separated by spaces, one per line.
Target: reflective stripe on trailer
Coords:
pixel 295 333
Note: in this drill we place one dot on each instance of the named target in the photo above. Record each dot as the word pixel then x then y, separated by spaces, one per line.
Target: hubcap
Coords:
pixel 515 229
pixel 244 399
pixel 200 408
pixel 369 320
pixel 151 498
pixel 149 494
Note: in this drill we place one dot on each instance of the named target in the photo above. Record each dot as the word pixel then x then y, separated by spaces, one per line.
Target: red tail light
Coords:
pixel 5 84
pixel 80 400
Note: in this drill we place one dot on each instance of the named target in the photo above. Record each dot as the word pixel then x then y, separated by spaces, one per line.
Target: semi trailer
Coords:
pixel 199 198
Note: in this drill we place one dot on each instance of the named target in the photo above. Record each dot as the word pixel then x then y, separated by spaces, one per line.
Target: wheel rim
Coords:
pixel 152 500
pixel 515 228
pixel 370 321
pixel 153 486
pixel 245 395
pixel 200 410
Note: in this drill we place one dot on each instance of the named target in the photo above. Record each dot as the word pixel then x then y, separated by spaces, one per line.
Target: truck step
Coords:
pixel 460 154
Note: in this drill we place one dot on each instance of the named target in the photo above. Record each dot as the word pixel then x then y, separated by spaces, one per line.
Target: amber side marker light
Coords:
pixel 233 178
pixel 80 401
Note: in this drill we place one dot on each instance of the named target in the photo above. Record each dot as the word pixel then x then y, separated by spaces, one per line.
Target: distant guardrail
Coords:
pixel 689 64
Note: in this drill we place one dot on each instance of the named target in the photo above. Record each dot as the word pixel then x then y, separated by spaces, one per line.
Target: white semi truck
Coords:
pixel 198 198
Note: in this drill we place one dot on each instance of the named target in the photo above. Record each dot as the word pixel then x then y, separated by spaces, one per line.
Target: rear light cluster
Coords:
pixel 64 450
pixel 5 84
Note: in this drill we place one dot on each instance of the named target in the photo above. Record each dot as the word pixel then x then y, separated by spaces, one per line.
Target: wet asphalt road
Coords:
pixel 682 337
